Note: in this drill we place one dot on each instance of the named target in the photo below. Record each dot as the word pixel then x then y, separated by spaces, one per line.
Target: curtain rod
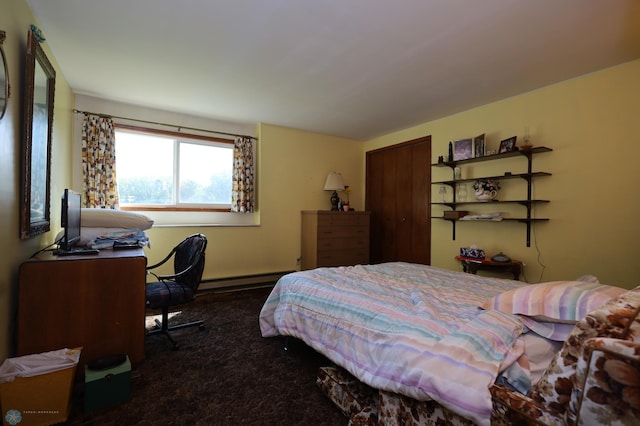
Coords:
pixel 164 124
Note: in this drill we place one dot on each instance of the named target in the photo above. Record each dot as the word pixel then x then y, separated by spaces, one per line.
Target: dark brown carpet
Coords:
pixel 227 374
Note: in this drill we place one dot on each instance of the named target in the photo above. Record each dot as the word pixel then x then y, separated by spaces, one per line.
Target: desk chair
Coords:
pixel 178 288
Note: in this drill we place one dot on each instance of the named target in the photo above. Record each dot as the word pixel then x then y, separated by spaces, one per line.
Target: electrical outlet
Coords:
pixel 298 261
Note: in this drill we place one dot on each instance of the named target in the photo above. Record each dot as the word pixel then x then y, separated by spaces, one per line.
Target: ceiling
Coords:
pixel 352 68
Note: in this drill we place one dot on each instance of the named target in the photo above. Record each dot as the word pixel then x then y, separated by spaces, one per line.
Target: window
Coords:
pixel 172 171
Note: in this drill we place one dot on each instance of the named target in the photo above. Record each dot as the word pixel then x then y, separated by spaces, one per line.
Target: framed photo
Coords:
pixel 478 146
pixel 508 145
pixel 462 149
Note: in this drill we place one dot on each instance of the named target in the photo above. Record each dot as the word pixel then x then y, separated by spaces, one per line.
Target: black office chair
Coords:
pixel 179 288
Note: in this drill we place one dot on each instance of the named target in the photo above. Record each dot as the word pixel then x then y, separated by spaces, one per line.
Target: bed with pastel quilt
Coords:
pixel 415 344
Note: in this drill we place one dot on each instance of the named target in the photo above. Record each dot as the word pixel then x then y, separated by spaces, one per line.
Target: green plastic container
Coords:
pixel 104 388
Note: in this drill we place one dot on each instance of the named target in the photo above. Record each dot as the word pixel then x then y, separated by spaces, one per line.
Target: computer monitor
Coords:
pixel 70 219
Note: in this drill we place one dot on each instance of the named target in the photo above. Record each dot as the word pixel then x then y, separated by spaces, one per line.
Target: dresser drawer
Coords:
pixel 326 244
pixel 343 232
pixel 343 257
pixel 343 219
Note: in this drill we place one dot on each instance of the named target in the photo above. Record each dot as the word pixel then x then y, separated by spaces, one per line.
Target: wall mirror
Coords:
pixel 4 77
pixel 39 90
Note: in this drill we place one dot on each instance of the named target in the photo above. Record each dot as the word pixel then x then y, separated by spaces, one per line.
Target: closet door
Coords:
pixel 398 197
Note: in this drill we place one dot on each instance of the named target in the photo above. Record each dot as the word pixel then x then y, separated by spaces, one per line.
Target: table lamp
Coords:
pixel 334 183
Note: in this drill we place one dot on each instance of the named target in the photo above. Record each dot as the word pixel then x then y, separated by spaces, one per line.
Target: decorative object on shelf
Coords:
pixel 450 151
pixel 457 173
pixel 527 145
pixel 463 149
pixel 443 192
pixel 462 193
pixel 478 146
pixel 486 189
pixel 501 257
pixel 473 252
pixel 334 183
pixel 508 145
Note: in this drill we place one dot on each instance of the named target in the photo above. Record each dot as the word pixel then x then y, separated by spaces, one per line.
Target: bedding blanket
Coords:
pixel 412 329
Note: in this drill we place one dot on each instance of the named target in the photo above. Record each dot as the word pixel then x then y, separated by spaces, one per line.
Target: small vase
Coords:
pixel 462 193
pixel 485 196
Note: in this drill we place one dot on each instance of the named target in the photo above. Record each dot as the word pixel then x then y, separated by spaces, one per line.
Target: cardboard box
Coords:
pixel 104 388
pixel 38 400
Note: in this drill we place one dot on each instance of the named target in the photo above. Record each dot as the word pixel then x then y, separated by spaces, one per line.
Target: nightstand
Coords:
pixel 472 266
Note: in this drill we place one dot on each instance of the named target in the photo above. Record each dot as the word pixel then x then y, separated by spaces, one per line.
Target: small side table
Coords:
pixel 472 265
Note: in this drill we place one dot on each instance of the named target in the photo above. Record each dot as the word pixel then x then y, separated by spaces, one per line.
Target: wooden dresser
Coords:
pixel 334 238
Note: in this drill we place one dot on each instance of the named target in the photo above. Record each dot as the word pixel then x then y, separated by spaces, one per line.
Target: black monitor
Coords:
pixel 70 218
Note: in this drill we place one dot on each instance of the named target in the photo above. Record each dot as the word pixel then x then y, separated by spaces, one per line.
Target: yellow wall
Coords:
pixel 592 124
pixel 15 19
pixel 293 166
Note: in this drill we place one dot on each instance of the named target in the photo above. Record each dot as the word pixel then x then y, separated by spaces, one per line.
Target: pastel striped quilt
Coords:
pixel 406 328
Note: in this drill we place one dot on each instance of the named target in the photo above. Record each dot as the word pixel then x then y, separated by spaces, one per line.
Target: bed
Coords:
pixel 419 334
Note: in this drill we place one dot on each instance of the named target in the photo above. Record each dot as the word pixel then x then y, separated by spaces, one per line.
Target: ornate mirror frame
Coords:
pixel 4 77
pixel 39 90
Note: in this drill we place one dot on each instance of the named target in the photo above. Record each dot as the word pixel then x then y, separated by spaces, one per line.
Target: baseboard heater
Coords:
pixel 242 282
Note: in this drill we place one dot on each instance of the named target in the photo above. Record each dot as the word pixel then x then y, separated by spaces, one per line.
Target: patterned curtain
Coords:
pixel 243 190
pixel 99 162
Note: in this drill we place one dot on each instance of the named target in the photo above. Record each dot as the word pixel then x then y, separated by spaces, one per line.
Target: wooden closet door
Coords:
pixel 398 197
pixel 380 228
pixel 421 203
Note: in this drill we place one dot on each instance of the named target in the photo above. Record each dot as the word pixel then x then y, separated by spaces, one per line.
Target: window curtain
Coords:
pixel 99 162
pixel 243 189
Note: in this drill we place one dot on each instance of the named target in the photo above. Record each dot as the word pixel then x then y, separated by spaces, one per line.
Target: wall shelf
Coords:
pixel 529 176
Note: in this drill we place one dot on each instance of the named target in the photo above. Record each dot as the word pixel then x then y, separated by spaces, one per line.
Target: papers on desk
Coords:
pixel 495 216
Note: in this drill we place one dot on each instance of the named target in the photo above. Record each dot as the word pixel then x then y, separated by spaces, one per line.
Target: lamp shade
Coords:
pixel 334 182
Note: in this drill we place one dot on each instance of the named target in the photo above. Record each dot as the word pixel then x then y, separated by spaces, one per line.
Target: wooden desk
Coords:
pixel 472 266
pixel 93 301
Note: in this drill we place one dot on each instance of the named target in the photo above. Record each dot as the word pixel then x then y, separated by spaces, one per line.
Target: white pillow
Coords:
pixel 109 218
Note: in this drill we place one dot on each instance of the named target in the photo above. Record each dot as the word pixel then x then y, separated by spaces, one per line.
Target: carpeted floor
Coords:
pixel 227 374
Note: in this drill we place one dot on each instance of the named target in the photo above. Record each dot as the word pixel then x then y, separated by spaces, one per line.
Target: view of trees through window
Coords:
pixel 155 170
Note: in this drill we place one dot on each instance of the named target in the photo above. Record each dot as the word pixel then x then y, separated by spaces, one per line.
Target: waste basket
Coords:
pixel 36 389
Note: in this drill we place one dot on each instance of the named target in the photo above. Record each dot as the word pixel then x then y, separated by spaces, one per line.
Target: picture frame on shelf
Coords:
pixel 478 146
pixel 507 145
pixel 462 149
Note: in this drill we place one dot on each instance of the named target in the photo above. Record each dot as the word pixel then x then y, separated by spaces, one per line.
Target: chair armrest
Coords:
pixel 607 383
pixel 511 407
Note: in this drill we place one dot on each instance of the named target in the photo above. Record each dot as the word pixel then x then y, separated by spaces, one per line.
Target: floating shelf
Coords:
pixel 528 177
